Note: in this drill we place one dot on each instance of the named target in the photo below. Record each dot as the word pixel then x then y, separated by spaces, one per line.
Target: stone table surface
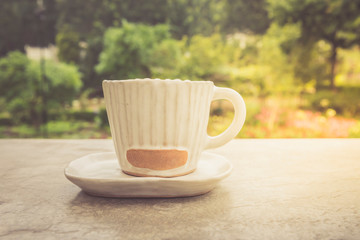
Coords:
pixel 279 189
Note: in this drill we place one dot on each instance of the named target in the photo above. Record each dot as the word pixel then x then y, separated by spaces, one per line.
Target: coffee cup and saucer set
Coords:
pixel 159 131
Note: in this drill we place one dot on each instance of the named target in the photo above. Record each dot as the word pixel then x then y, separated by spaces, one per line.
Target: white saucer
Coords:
pixel 99 174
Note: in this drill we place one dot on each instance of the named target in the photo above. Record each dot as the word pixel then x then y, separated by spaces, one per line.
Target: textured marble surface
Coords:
pixel 279 189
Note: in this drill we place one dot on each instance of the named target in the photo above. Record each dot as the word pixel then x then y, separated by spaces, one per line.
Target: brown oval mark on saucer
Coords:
pixel 161 159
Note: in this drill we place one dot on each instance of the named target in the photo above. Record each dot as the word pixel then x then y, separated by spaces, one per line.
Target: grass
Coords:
pixel 57 129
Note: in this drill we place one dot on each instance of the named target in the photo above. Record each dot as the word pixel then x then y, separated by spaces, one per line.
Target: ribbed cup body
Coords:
pixel 153 114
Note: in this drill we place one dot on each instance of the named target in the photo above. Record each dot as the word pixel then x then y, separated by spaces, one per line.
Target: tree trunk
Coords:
pixel 333 59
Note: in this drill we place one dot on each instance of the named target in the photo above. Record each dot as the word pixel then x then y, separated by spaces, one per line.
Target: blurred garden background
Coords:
pixel 295 62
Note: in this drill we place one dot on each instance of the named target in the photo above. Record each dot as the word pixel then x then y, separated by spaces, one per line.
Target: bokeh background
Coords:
pixel 296 62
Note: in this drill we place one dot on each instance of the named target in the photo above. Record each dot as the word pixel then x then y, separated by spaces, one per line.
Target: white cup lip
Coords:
pixel 156 80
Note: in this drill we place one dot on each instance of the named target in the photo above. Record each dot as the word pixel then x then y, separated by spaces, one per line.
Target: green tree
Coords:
pixel 26 22
pixel 96 15
pixel 189 17
pixel 67 42
pixel 264 67
pixel 246 16
pixel 89 22
pixel 128 50
pixel 23 89
pixel 92 19
pixel 336 22
pixel 166 59
pixel 205 57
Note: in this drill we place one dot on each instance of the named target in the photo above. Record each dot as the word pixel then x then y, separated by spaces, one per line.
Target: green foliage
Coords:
pixel 22 22
pixel 189 18
pixel 128 50
pixel 5 121
pixel 205 56
pixel 61 127
pixel 277 70
pixel 84 115
pixel 91 78
pixel 102 119
pixel 246 16
pixel 12 69
pixel 348 69
pixel 96 16
pixel 166 59
pixel 336 22
pixel 354 131
pixel 264 68
pixel 268 48
pixel 137 50
pixel 345 101
pixel 23 131
pixel 62 81
pixel 91 20
pixel 57 129
pixel 67 42
pixel 21 85
pixel 310 64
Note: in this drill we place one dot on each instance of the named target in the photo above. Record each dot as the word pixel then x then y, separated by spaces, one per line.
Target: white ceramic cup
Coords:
pixel 159 127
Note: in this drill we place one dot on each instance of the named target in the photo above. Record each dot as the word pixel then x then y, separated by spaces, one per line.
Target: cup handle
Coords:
pixel 238 121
